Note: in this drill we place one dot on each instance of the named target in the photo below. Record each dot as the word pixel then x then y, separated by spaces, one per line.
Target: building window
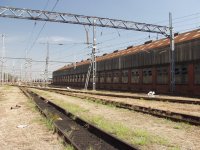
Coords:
pixel 162 75
pixel 108 77
pixel 116 77
pixel 77 78
pixel 91 78
pixel 147 76
pixel 181 74
pixel 70 78
pixel 125 76
pixel 197 73
pixel 102 75
pixel 83 78
pixel 67 78
pixel 74 76
pixel 135 76
pixel 64 78
pixel 97 78
pixel 80 77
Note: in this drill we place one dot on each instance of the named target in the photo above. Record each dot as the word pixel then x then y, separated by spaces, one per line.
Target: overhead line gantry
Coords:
pixel 22 13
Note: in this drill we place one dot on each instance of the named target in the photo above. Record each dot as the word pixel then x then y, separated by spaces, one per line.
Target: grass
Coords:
pixel 47 122
pixel 138 136
pixel 30 104
pixel 69 147
pixel 174 125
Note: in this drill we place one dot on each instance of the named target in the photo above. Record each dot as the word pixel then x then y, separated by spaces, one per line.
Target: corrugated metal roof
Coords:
pixel 145 47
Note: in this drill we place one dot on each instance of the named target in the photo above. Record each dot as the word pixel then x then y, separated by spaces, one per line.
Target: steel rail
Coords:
pixel 179 117
pixel 94 134
pixel 155 98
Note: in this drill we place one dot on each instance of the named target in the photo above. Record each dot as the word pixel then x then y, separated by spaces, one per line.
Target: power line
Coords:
pixel 32 31
pixel 43 26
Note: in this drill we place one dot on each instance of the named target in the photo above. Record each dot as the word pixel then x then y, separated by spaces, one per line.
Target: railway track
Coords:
pixel 179 117
pixel 79 133
pixel 144 97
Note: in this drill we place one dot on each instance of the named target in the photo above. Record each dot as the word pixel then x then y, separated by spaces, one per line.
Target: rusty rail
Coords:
pixel 76 131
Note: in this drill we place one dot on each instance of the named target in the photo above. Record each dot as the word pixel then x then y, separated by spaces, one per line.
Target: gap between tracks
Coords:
pixel 174 116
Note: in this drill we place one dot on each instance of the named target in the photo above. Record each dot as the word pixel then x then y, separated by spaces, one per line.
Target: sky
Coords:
pixel 22 35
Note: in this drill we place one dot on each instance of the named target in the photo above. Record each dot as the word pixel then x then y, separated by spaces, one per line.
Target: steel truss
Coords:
pixel 21 13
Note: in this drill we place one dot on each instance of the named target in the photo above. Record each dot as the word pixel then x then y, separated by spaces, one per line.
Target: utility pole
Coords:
pixel 172 53
pixel 2 59
pixel 46 66
pixel 94 66
pixel 26 67
pixel 46 71
pixel 30 72
pixel 20 73
pixel 13 72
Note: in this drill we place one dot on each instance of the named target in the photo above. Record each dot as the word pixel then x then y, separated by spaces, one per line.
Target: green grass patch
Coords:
pixel 134 136
pixel 69 147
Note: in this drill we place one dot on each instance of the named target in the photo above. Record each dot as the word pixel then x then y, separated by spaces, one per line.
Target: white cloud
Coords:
pixel 55 39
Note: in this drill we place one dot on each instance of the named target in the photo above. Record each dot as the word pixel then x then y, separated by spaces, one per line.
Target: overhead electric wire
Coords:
pixel 43 26
pixel 28 41
pixel 33 29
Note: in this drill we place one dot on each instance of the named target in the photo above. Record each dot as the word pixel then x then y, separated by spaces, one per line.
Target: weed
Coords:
pixel 69 147
pixel 175 148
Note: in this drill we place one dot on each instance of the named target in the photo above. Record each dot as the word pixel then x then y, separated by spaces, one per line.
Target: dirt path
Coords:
pixel 35 136
pixel 179 136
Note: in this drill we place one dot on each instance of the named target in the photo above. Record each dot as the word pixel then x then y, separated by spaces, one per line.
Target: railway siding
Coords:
pixel 142 124
pixel 154 109
pixel 82 135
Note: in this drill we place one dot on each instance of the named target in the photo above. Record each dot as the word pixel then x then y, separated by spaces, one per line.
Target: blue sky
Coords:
pixel 18 32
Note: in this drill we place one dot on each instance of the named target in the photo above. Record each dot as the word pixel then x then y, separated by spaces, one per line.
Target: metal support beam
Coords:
pixel 47 65
pixel 21 13
pixel 94 65
pixel 172 53
pixel 3 59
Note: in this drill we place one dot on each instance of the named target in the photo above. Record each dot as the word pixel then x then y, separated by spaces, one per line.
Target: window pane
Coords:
pixel 162 75
pixel 116 76
pixel 181 74
pixel 125 76
pixel 135 76
pixel 197 73
pixel 147 76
